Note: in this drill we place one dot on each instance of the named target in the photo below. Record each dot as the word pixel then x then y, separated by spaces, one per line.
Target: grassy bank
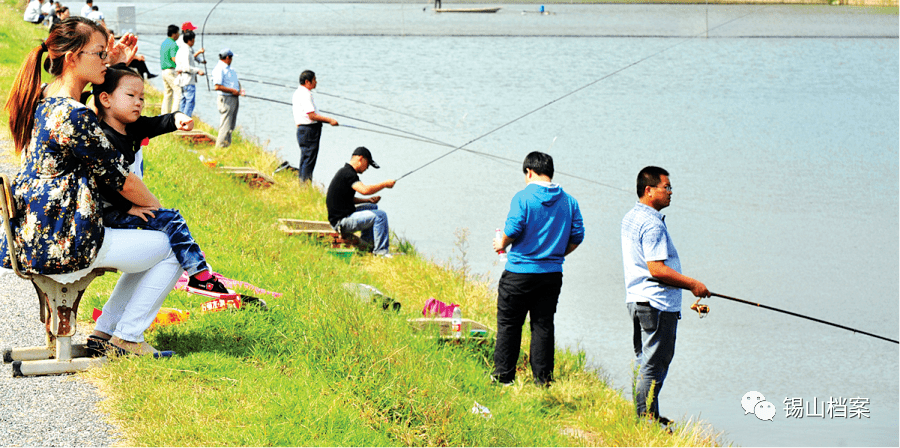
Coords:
pixel 322 367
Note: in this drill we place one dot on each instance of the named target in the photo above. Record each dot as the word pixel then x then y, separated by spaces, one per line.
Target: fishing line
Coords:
pixel 573 92
pixel 268 99
pixel 154 9
pixel 791 313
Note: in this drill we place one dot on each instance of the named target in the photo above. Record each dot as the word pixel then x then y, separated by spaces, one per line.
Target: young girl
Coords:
pixel 119 101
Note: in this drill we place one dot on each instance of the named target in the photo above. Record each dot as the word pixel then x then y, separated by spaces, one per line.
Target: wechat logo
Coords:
pixel 755 403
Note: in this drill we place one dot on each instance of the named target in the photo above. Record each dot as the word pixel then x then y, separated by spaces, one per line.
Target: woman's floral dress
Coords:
pixel 59 228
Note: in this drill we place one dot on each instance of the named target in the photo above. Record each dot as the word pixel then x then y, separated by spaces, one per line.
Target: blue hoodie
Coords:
pixel 543 220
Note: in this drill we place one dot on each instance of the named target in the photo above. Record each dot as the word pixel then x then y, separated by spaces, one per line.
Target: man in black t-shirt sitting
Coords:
pixel 343 212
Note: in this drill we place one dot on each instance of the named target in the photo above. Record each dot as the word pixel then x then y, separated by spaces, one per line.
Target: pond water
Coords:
pixel 780 131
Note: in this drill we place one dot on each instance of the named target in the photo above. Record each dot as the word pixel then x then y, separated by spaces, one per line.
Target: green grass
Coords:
pixel 322 367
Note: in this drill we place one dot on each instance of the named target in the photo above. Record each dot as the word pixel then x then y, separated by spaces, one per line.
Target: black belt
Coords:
pixel 644 304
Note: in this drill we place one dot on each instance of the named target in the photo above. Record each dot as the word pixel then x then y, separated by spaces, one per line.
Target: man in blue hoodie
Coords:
pixel 543 226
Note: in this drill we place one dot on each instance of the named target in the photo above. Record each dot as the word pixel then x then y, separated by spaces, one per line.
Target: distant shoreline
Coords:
pixel 451 3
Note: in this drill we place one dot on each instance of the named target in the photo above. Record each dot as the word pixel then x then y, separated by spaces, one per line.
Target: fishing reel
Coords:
pixel 700 308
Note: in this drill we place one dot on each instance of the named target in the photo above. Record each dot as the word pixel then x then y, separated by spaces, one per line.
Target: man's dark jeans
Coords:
pixel 654 348
pixel 517 296
pixel 308 136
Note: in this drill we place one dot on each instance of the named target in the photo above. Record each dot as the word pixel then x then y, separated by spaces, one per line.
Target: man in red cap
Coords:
pixel 186 26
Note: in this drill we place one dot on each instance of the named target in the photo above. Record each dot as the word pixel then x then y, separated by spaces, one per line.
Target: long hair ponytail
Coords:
pixel 71 34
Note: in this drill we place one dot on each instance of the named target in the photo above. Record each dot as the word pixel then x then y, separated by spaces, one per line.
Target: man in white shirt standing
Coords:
pixel 97 16
pixel 309 125
pixel 87 8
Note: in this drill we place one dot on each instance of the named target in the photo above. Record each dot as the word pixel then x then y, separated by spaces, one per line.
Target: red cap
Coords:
pixel 188 26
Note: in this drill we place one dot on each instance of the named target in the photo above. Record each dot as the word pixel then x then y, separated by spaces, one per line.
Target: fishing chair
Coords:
pixel 58 305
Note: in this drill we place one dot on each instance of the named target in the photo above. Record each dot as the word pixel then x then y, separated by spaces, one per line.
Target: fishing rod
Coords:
pixel 572 93
pixel 343 98
pixel 433 142
pixel 535 110
pixel 325 94
pixel 439 143
pixel 417 136
pixel 422 137
pixel 772 308
pixel 202 35
pixel 539 108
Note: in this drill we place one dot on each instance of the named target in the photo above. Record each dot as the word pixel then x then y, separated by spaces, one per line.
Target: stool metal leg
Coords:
pixel 59 311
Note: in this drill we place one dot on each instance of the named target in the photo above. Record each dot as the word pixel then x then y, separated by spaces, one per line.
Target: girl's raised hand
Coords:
pixel 122 51
pixel 183 122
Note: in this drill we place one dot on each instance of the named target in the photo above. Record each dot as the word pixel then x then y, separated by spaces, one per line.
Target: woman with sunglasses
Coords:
pixel 65 155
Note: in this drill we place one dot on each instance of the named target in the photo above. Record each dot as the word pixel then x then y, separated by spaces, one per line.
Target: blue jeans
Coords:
pixel 169 221
pixel 372 222
pixel 308 136
pixel 517 296
pixel 188 99
pixel 654 348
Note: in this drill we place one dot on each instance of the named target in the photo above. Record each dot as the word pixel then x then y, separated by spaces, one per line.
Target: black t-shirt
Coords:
pixel 129 145
pixel 339 199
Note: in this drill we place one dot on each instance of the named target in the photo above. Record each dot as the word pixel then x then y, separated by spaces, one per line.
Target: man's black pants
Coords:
pixel 518 295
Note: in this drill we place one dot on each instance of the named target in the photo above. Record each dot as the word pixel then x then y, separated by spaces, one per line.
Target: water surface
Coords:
pixel 780 132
